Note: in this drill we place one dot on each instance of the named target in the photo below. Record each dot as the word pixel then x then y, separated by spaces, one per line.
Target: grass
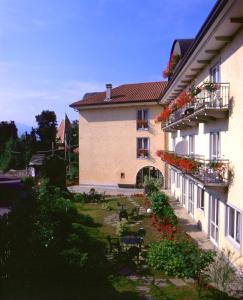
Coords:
pixel 120 287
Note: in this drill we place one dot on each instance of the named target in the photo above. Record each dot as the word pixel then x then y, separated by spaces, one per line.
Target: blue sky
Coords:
pixel 53 51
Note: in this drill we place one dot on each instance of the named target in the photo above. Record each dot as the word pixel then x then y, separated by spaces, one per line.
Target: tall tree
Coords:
pixel 74 133
pixel 8 130
pixel 47 129
pixel 27 146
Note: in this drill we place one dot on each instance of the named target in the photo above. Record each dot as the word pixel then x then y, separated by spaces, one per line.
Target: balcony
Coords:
pixel 214 173
pixel 208 105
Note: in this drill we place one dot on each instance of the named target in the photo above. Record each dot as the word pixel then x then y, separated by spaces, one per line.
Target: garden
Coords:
pixel 58 245
pixel 148 253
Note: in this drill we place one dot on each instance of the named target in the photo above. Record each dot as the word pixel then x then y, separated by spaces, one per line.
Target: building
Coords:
pixel 118 136
pixel 203 117
pixel 35 165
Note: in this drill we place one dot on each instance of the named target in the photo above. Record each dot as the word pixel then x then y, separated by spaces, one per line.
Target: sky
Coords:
pixel 52 52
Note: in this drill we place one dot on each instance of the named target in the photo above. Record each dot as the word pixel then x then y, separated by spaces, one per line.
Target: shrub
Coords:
pixel 79 198
pixel 152 185
pixel 106 206
pixel 29 181
pixel 161 207
pixel 122 228
pixel 181 258
pixel 74 257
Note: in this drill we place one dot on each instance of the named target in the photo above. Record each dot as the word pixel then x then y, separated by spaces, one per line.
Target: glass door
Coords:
pixel 213 219
pixel 191 198
pixel 214 145
pixel 183 192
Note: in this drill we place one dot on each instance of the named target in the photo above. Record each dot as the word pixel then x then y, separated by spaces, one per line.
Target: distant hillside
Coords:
pixel 22 128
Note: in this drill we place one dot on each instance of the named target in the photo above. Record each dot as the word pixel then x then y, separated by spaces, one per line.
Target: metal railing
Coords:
pixel 208 171
pixel 217 99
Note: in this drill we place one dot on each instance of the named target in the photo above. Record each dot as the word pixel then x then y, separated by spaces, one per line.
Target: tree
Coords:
pixel 8 158
pixel 47 129
pixel 7 130
pixel 55 170
pixel 27 146
pixel 74 133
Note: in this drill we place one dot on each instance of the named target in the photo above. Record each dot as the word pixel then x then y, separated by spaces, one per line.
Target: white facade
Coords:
pixel 216 136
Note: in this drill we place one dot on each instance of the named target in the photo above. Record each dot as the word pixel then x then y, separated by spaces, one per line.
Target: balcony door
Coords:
pixel 215 78
pixel 213 219
pixel 214 145
pixel 191 145
pixel 215 74
pixel 184 191
pixel 191 198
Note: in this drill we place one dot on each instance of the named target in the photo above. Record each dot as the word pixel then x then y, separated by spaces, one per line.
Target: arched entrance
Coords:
pixel 150 172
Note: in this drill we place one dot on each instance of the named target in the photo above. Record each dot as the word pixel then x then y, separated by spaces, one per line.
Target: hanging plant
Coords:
pixel 211 86
pixel 185 164
pixel 173 61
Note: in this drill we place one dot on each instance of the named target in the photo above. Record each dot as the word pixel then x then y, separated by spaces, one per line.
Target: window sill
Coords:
pixel 142 129
pixel 143 157
pixel 235 244
pixel 202 211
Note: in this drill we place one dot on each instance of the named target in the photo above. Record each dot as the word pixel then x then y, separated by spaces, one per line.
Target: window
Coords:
pixel 142 148
pixel 184 191
pixel 191 144
pixel 233 224
pixel 215 73
pixel 178 178
pixel 173 143
pixel 200 198
pixel 191 198
pixel 172 176
pixel 142 119
pixel 214 145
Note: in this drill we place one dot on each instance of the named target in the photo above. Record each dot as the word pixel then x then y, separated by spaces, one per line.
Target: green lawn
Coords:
pixel 119 286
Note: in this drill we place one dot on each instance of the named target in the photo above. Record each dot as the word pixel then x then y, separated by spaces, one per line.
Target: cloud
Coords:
pixel 22 104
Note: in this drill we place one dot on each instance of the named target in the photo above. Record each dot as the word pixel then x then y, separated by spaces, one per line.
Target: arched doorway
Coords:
pixel 150 172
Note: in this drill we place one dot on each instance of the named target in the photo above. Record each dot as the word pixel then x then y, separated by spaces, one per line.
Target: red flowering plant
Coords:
pixel 173 61
pixel 211 86
pixel 187 165
pixel 185 97
pixel 219 167
pixel 163 218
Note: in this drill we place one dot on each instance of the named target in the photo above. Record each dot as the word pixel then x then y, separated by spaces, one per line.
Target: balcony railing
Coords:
pixel 142 153
pixel 210 172
pixel 207 105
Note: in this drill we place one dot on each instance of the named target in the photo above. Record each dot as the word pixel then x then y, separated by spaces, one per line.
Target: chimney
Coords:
pixel 108 92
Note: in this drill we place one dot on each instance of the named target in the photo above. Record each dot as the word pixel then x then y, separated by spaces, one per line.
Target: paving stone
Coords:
pixel 147 280
pixel 160 282
pixel 189 280
pixel 177 282
pixel 133 277
pixel 143 289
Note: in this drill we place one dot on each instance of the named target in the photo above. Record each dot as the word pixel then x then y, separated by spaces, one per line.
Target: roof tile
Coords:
pixel 126 93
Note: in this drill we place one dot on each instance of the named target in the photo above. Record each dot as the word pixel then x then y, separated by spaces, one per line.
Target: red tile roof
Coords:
pixel 126 93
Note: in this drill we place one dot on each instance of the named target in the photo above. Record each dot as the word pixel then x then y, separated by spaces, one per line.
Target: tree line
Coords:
pixel 16 152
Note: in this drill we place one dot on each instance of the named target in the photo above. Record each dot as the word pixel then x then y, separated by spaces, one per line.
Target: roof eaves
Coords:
pixel 218 7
